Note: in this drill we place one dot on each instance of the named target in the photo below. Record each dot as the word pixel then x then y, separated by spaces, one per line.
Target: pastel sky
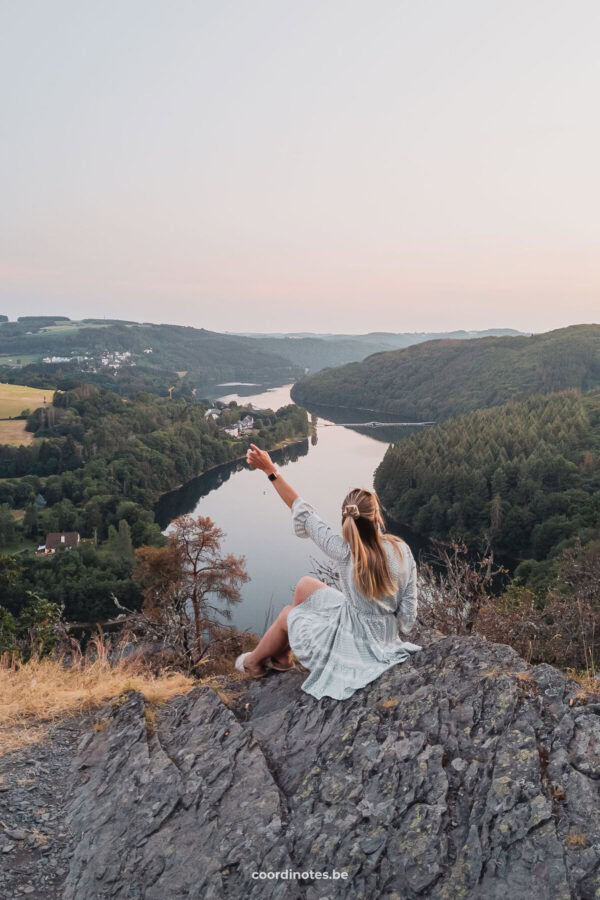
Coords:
pixel 323 165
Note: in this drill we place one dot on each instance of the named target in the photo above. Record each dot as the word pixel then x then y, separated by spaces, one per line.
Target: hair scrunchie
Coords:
pixel 351 509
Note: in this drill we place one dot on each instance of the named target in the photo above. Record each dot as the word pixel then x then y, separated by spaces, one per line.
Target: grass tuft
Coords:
pixel 390 703
pixel 498 673
pixel 577 839
pixel 590 686
pixel 228 698
pixel 150 717
pixel 40 692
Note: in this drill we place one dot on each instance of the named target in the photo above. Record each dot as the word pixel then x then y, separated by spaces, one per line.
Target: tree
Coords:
pixel 38 625
pixel 7 525
pixel 158 570
pixel 9 572
pixel 560 628
pixel 190 576
pixel 31 524
pixel 125 544
pixel 119 542
pixel 8 632
pixel 455 586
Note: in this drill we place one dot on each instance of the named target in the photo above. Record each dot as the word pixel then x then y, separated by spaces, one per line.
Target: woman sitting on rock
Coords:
pixel 345 638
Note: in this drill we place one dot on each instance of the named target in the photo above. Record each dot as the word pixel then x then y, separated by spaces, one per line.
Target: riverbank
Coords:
pixel 280 445
pixel 322 468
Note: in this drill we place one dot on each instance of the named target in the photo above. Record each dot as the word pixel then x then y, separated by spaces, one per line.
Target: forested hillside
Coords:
pixel 207 357
pixel 160 352
pixel 525 475
pixel 98 467
pixel 96 450
pixel 440 379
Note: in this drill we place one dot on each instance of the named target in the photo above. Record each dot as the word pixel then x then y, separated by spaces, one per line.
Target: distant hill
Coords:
pixel 390 338
pixel 319 351
pixel 207 356
pixel 443 378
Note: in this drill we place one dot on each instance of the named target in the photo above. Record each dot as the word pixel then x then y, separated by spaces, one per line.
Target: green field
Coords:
pixel 19 359
pixel 65 328
pixel 14 398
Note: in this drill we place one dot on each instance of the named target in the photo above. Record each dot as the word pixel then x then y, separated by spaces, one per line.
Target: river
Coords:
pixel 257 524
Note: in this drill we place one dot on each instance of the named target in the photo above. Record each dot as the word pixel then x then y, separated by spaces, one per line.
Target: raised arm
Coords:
pixel 309 524
pixel 260 459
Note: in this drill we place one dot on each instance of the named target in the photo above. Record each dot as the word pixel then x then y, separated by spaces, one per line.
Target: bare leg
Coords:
pixel 274 643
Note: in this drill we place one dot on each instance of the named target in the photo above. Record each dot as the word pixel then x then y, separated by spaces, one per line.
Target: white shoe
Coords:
pixel 239 666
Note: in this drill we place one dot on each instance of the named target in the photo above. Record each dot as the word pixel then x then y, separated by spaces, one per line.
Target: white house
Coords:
pixel 246 424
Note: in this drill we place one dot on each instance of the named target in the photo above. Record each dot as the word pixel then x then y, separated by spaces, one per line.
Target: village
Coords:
pixel 113 358
pixel 235 429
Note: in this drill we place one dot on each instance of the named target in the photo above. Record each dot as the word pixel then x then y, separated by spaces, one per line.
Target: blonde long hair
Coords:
pixel 363 528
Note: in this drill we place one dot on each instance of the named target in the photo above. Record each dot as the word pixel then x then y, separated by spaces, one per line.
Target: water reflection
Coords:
pixel 257 524
pixel 186 498
pixel 350 418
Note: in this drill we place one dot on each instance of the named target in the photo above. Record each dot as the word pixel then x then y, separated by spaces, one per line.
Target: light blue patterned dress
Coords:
pixel 345 639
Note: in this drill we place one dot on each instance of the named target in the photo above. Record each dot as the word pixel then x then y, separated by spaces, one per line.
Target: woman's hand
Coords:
pixel 259 459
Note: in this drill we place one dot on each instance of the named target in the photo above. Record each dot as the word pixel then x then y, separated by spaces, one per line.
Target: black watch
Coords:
pixel 272 476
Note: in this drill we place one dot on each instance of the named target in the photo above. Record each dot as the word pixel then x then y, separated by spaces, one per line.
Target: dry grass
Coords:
pixel 296 662
pixel 43 691
pixel 39 837
pixel 390 703
pixel 21 735
pixel 228 698
pixel 498 673
pixel 14 398
pixel 150 717
pixel 577 839
pixel 13 432
pixel 590 687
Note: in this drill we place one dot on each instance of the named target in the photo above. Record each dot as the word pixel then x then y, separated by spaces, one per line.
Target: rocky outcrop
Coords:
pixel 462 774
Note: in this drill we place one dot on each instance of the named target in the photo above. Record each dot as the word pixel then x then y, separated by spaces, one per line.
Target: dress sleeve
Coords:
pixel 406 611
pixel 308 524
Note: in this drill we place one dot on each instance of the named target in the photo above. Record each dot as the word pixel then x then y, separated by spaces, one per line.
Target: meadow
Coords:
pixel 12 431
pixel 14 398
pixel 19 359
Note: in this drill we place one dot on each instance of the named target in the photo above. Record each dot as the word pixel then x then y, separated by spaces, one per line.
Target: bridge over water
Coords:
pixel 374 424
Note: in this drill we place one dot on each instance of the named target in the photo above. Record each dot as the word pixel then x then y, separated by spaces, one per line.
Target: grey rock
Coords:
pixel 27 864
pixel 465 773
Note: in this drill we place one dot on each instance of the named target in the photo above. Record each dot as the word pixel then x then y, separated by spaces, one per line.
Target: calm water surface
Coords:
pixel 257 524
